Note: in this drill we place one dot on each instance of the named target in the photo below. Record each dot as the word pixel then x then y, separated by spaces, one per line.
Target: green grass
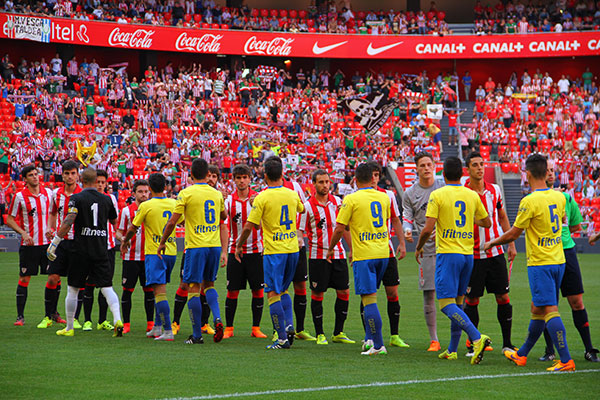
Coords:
pixel 35 363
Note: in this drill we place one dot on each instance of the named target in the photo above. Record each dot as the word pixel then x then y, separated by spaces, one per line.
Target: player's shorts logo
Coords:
pixel 124 280
pixel 23 270
pixel 314 284
pixel 468 289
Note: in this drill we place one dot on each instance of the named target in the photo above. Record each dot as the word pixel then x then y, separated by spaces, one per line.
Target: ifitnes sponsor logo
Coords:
pixel 367 236
pixel 278 46
pixel 207 43
pixel 549 241
pixel 93 232
pixel 140 38
pixel 156 239
pixel 279 236
pixel 205 228
pixel 454 234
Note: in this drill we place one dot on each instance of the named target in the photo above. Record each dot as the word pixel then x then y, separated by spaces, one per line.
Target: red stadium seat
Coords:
pixel 506 167
pixel 264 13
pixel 516 168
pixel 274 13
pixel 302 14
pixel 283 13
pixel 293 13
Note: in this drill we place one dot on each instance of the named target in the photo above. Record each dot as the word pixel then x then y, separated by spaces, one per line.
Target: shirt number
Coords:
pixel 167 215
pixel 94 208
pixel 554 218
pixel 376 213
pixel 461 213
pixel 209 212
pixel 284 219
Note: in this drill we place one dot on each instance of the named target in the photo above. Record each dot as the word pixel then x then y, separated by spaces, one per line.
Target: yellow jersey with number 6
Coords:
pixel 154 215
pixel 201 206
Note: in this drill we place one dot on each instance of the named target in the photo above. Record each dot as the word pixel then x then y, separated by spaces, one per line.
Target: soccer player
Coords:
pixel 89 212
pixel 365 212
pixel 31 205
pixel 133 258
pixel 250 269
pixel 276 209
pixel 203 208
pixel 540 215
pixel 414 205
pixel 452 211
pixel 60 266
pixel 571 286
pixel 489 267
pixel 318 224
pixel 152 215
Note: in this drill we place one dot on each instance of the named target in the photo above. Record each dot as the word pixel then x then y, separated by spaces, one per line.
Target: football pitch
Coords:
pixel 35 363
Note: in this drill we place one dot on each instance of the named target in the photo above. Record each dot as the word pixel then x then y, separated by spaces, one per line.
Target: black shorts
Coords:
pixel 249 270
pixel 33 259
pixel 390 276
pixel 181 266
pixel 91 270
pixel 490 274
pixel 572 283
pixel 132 271
pixel 301 274
pixel 65 258
pixel 324 274
pixel 111 261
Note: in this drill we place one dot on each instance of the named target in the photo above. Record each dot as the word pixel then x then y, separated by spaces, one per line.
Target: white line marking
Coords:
pixel 375 384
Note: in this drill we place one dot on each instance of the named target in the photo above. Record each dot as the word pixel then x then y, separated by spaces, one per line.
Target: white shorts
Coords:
pixel 427 273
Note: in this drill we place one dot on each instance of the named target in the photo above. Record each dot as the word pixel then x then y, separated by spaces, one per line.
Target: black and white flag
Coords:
pixel 371 111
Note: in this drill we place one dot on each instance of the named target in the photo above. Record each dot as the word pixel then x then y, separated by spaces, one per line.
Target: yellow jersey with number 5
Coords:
pixel 154 215
pixel 455 207
pixel 201 206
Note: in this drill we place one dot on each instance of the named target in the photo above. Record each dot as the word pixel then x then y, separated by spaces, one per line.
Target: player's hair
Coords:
pixel 273 168
pixel 27 169
pixel 199 168
pixel 537 165
pixel 375 167
pixel 70 165
pixel 242 169
pixel 364 173
pixel 102 172
pixel 453 169
pixel 213 169
pixel 88 176
pixel 157 182
pixel 318 173
pixel 423 154
pixel 138 183
pixel 473 154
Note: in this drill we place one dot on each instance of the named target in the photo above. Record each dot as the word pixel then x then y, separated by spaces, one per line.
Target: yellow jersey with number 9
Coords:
pixel 201 206
pixel 154 214
pixel 455 207
pixel 367 211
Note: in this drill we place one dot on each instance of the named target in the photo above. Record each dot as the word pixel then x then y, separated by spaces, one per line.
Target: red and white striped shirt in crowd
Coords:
pixel 596 140
pixel 152 137
pixel 33 212
pixel 136 251
pixel 578 176
pixel 187 113
pixel 578 117
pixel 72 67
pixel 185 174
pixel 170 111
pixel 564 177
pixel 318 224
pixel 197 90
pixel 78 101
pixel 102 82
pixel 174 155
pixel 129 162
pixel 237 215
pixel 492 201
pixel 27 126
pixel 60 206
pixel 111 229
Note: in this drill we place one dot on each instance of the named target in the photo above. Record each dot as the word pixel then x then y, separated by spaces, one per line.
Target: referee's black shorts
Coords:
pixel 324 275
pixel 490 274
pixel 250 270
pixel 572 283
pixel 301 274
pixel 390 276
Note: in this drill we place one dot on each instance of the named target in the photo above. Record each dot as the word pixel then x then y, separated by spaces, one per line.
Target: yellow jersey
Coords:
pixel 455 208
pixel 277 208
pixel 154 214
pixel 367 211
pixel 201 206
pixel 541 215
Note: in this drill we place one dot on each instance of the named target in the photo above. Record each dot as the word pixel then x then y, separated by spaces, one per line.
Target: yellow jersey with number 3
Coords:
pixel 455 207
pixel 276 208
pixel 367 211
pixel 154 215
pixel 201 206
pixel 541 214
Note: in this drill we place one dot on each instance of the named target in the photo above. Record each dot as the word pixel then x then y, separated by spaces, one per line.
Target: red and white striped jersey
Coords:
pixel 318 224
pixel 394 212
pixel 296 187
pixel 102 82
pixel 136 251
pixel 111 229
pixel 33 212
pixel 60 206
pixel 493 202
pixel 237 215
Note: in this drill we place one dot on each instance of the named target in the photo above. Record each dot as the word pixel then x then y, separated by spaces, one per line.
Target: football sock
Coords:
pixel 205 309
pixel 195 308
pixel 472 310
pixel 455 333
pixel 299 308
pixel 162 305
pixel 374 324
pixel 278 317
pixel 21 297
pixel 504 314
pixel 536 327
pixel 126 304
pixel 557 331
pixel 231 306
pixel 112 301
pixel 430 311
pixel 157 319
pixel 180 300
pixel 57 294
pixel 257 306
pixel 49 298
pixel 455 313
pixel 393 310
pixel 341 312
pixel 71 305
pixel 88 301
pixel 549 344
pixel 316 308
pixel 149 303
pixel 79 302
pixel 212 298
pixel 580 319
pixel 362 316
pixel 102 307
pixel 286 304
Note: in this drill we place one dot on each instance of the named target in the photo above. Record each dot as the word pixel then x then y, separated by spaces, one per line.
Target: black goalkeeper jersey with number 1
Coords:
pixel 93 210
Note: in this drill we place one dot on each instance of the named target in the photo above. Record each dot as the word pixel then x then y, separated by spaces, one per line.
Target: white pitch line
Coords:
pixel 376 384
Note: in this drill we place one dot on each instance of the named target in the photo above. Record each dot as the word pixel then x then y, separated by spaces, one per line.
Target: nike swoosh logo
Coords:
pixel 324 49
pixel 374 51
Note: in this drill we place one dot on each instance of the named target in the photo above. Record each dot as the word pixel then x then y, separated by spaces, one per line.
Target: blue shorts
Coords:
pixel 544 282
pixel 158 272
pixel 368 275
pixel 201 264
pixel 279 271
pixel 452 274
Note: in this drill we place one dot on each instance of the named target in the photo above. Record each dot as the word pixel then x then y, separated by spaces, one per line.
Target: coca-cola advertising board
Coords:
pixel 281 44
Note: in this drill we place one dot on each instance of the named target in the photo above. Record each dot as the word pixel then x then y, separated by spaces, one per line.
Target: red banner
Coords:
pixel 281 44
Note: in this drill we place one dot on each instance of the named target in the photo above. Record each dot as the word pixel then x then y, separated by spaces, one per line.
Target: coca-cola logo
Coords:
pixel 275 47
pixel 141 38
pixel 206 43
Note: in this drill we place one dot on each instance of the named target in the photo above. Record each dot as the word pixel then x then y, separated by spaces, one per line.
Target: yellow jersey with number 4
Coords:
pixel 541 214
pixel 455 208
pixel 154 214
pixel 276 208
pixel 201 206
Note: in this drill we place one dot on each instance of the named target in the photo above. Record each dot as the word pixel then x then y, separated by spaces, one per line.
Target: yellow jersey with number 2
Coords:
pixel 154 214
